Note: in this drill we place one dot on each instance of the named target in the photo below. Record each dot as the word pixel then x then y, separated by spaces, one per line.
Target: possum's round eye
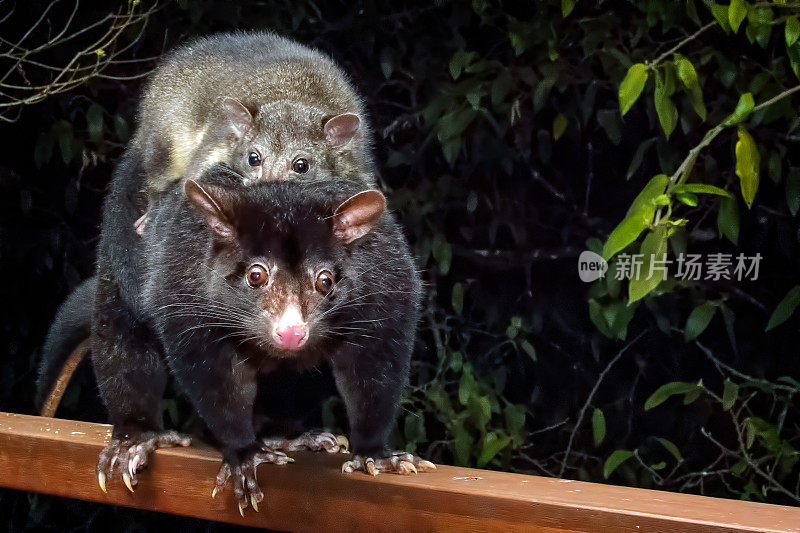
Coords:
pixel 300 165
pixel 254 159
pixel 257 276
pixel 324 282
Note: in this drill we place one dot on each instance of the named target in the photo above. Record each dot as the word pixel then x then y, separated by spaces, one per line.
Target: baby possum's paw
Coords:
pixel 398 463
pixel 140 224
pixel 245 481
pixel 316 442
pixel 130 455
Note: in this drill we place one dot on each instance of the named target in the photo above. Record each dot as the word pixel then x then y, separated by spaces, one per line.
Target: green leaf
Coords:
pixel 614 460
pixel 480 410
pixel 491 446
pixel 414 428
pixel 442 252
pixel 638 157
pixel 686 72
pixel 698 320
pixel 792 31
pixel 459 62
pixel 654 188
pixel 598 319
pixel 748 161
pixel 515 418
pixel 467 388
pixel 785 308
pixel 701 188
pixel 452 124
pixel 721 14
pixel 730 393
pixel 567 6
pixel 743 109
pixel 632 86
pixel 598 426
pixel 528 348
pixel 462 442
pixel 627 231
pixel 794 58
pixel 121 127
pixel 691 12
pixel 688 76
pixel 387 60
pixel 501 86
pixel 692 395
pixel 671 448
pixel 665 109
pixel 687 198
pixel 793 190
pixel 654 249
pixel 457 298
pixel 43 151
pixel 728 219
pixel 609 120
pixel 737 11
pixel 664 392
pixel 94 122
pixel 559 126
pixel 63 132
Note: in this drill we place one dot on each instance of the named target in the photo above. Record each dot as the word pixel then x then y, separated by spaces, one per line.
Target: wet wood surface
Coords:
pixel 58 457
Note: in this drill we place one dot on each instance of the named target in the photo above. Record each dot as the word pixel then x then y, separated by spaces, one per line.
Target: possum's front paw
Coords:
pixel 243 475
pixel 398 463
pixel 316 442
pixel 129 455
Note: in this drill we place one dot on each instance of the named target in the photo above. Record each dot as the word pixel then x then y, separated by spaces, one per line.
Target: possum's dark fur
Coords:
pixel 196 296
pixel 176 300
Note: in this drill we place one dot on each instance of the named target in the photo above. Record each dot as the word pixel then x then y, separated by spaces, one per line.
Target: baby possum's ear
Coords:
pixel 356 216
pixel 210 203
pixel 237 117
pixel 341 128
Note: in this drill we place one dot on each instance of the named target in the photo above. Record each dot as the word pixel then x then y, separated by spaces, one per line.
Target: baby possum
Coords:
pixel 237 279
pixel 266 106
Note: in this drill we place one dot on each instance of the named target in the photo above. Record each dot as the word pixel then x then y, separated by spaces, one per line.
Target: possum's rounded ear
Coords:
pixel 357 215
pixel 238 116
pixel 341 128
pixel 209 202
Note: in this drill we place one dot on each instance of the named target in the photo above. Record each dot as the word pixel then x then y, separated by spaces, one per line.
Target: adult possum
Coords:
pixel 266 106
pixel 235 280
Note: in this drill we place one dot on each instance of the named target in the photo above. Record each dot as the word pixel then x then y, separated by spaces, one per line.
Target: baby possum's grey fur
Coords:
pixel 188 114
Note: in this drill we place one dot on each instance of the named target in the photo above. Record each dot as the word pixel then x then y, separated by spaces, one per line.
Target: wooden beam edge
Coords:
pixel 57 457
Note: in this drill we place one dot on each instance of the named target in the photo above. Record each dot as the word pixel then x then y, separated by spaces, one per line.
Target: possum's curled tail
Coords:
pixel 66 344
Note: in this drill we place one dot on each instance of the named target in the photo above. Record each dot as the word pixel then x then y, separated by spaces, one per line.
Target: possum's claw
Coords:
pixel 315 442
pixel 245 481
pixel 398 463
pixel 129 455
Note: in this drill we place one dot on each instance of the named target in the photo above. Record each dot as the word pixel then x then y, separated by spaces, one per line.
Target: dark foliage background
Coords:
pixel 503 150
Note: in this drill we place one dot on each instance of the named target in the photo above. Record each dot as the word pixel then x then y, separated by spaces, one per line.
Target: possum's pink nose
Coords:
pixel 291 337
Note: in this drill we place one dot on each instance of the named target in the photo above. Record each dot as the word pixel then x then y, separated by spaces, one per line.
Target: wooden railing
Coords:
pixel 57 457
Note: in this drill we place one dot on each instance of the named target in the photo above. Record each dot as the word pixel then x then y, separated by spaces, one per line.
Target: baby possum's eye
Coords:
pixel 257 276
pixel 324 282
pixel 300 165
pixel 254 159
